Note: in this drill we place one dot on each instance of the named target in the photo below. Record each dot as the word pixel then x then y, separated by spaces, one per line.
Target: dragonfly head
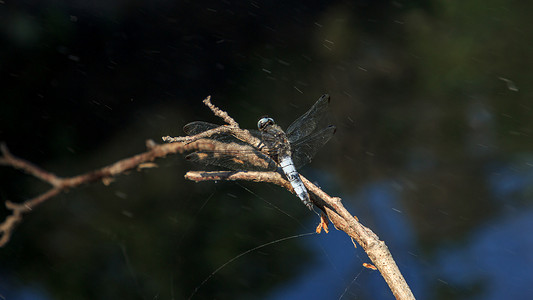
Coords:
pixel 264 122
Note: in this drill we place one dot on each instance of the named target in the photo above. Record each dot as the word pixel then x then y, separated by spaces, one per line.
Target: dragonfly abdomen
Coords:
pixel 288 168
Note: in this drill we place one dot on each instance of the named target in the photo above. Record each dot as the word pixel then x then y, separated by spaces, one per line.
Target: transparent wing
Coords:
pixel 235 157
pixel 198 127
pixel 232 153
pixel 304 150
pixel 308 122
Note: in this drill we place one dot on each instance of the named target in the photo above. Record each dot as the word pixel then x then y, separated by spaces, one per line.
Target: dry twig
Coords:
pixel 376 249
pixel 332 206
pixel 59 184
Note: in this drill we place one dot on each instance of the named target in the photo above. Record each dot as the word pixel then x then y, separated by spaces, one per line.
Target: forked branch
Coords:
pixel 332 206
pixel 376 249
pixel 60 184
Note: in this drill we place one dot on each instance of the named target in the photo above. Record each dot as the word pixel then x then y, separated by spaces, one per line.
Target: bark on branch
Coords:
pixel 376 249
pixel 332 206
pixel 60 184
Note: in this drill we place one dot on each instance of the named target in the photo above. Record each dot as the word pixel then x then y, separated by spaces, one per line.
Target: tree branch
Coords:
pixel 376 249
pixel 332 206
pixel 59 184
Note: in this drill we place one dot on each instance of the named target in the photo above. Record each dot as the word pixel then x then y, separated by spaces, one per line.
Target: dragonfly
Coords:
pixel 278 150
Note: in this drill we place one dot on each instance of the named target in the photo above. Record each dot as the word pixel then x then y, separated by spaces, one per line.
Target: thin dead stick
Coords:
pixel 332 206
pixel 232 128
pixel 220 113
pixel 376 249
pixel 59 184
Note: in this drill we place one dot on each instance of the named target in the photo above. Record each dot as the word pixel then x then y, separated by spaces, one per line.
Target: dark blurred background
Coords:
pixel 433 104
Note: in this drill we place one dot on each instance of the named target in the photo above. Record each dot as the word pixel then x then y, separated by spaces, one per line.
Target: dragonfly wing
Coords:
pixel 230 152
pixel 244 159
pixel 308 122
pixel 198 127
pixel 304 150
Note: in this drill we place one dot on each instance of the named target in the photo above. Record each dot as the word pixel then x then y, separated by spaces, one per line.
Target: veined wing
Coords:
pixel 201 126
pixel 229 152
pixel 304 150
pixel 235 157
pixel 198 127
pixel 308 122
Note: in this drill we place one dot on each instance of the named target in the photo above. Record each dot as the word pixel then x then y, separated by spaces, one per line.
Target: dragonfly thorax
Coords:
pixel 274 139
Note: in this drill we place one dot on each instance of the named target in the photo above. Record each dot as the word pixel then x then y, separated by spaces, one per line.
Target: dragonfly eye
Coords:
pixel 264 122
